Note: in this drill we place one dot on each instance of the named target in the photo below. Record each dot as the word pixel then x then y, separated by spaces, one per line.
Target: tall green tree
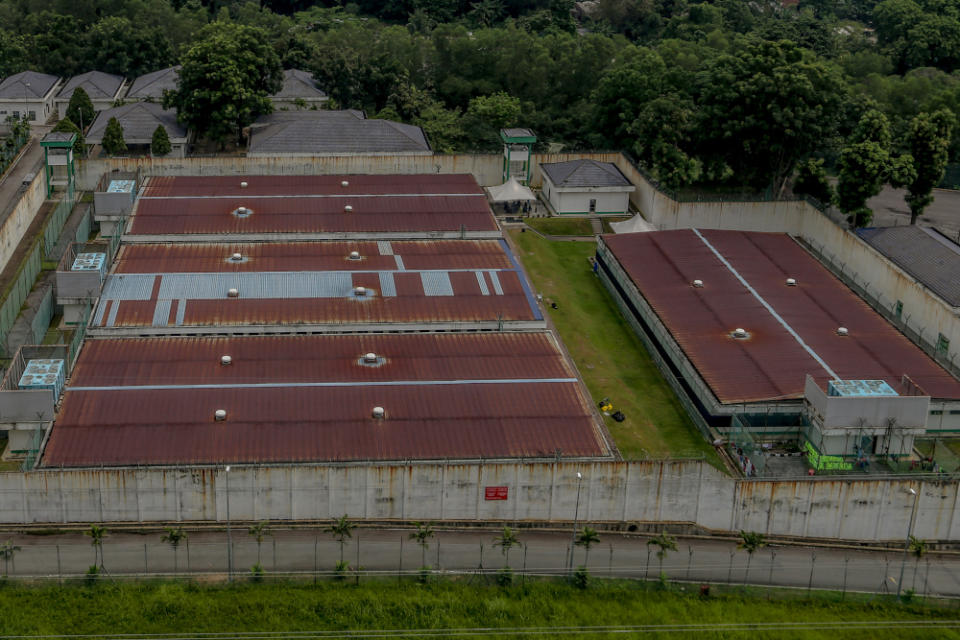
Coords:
pixel 865 166
pixel 160 143
pixel 113 142
pixel 80 109
pixel 751 542
pixel 225 81
pixel 928 142
pixel 664 543
pixel 507 540
pixel 341 529
pixel 257 532
pixel 812 180
pixel 66 125
pixel 97 533
pixel 767 106
pixel 123 47
pixel 586 539
pixel 422 537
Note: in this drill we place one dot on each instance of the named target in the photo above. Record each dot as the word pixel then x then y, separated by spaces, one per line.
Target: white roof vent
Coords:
pixel 698 283
pixel 237 257
pixel 370 357
pixel 359 291
pixel 791 282
pixel 348 208
pixel 379 413
pixel 225 360
pixel 354 255
pixel 739 333
pixel 220 415
pixel 344 184
pixel 242 212
pixel 233 293
pixel 842 331
pixel 243 185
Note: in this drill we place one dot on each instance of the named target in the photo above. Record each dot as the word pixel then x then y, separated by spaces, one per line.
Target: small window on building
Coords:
pixel 943 345
pixel 936 412
pixel 593 205
pixel 898 309
pixel 954 412
pixel 33 115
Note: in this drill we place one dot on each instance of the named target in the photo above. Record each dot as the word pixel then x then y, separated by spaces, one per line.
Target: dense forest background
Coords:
pixel 714 92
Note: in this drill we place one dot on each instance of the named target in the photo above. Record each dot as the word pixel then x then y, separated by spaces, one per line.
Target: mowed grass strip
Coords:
pixel 188 610
pixel 561 226
pixel 610 357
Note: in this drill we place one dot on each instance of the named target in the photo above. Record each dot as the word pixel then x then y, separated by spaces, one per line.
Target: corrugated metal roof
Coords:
pixel 357 184
pixel 523 400
pixel 442 281
pixel 928 256
pixel 306 214
pixel 771 363
pixel 317 358
pixel 312 256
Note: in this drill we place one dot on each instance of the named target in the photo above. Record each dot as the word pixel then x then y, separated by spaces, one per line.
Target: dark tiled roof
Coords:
pixel 139 120
pixel 584 173
pixel 298 84
pixel 16 85
pixel 926 255
pixel 98 85
pixel 152 85
pixel 332 132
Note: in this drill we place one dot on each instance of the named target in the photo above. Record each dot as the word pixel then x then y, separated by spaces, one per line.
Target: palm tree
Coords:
pixel 422 537
pixel 174 535
pixel 918 549
pixel 7 550
pixel 751 542
pixel 258 531
pixel 506 541
pixel 666 543
pixel 586 539
pixel 97 533
pixel 341 529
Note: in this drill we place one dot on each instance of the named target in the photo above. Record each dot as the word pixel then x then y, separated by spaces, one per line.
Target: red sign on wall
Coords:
pixel 495 493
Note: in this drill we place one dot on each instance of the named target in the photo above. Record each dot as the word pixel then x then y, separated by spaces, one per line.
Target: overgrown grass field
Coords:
pixel 188 609
pixel 610 357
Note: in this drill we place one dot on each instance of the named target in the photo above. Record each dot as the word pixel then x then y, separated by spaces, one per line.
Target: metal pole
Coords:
pixel 59 571
pixel 906 544
pixel 576 515
pixel 229 536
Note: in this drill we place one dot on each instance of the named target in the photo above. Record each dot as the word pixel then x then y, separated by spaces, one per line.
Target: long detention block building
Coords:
pixel 308 319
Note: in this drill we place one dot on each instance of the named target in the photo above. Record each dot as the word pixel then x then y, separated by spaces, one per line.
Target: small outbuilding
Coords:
pixel 139 120
pixel 586 187
pixel 28 93
pixel 104 90
pixel 299 91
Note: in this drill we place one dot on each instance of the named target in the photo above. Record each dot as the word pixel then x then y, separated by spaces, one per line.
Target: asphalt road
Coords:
pixel 889 209
pixel 306 551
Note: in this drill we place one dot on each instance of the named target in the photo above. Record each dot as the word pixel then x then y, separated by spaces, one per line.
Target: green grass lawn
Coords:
pixel 610 357
pixel 561 226
pixel 189 609
pixel 606 222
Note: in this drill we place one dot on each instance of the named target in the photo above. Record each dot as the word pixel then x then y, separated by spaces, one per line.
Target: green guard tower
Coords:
pixel 517 154
pixel 58 152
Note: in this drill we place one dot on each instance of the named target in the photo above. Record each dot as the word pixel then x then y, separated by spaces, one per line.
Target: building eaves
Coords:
pixel 925 254
pixel 30 84
pixel 584 173
pixel 98 85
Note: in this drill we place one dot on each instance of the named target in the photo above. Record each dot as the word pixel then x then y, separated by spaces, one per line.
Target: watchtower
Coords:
pixel 517 154
pixel 58 152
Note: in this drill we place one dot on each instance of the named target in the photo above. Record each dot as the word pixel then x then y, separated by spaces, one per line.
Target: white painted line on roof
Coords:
pixel 274 385
pixel 317 195
pixel 767 306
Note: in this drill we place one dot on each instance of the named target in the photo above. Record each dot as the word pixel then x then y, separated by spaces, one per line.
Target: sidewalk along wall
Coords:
pixel 679 491
pixel 927 312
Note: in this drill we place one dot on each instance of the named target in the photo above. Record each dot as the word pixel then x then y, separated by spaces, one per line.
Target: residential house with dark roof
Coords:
pixel 104 90
pixel 299 91
pixel 312 133
pixel 30 93
pixel 139 120
pixel 150 86
pixel 586 187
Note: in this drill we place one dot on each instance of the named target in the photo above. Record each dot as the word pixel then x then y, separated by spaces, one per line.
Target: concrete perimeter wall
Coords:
pixel 18 219
pixel 615 492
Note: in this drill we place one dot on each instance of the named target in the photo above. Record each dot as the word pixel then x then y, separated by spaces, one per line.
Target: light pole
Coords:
pixel 576 514
pixel 229 537
pixel 906 545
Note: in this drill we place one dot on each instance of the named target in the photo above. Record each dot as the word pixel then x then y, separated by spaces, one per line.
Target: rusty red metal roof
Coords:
pixel 358 184
pixel 771 363
pixel 387 214
pixel 486 285
pixel 317 358
pixel 312 256
pixel 299 399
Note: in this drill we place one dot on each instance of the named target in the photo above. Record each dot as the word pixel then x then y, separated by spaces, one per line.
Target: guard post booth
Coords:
pixel 58 160
pixel 517 154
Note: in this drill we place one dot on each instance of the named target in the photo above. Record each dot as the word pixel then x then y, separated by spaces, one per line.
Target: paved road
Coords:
pixel 889 209
pixel 544 553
